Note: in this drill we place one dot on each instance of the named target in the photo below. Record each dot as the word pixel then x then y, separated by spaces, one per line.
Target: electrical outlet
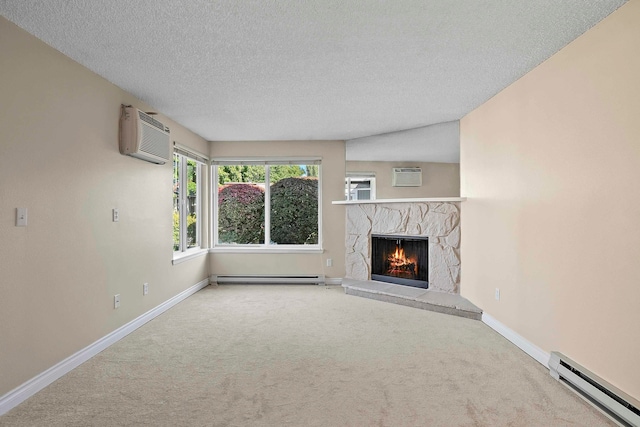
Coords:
pixel 21 217
pixel 115 214
pixel 116 301
pixel 145 289
pixel 329 262
pixel 497 294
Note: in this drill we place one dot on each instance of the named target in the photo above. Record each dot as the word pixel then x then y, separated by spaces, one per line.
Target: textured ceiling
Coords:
pixel 324 69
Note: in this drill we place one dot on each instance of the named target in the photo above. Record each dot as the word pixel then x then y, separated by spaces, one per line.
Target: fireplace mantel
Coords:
pixel 417 200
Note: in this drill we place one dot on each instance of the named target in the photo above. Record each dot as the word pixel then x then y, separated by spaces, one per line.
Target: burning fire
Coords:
pixel 400 265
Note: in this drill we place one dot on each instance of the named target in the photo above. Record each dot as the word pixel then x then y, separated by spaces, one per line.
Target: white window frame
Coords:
pixel 183 252
pixel 360 176
pixel 265 247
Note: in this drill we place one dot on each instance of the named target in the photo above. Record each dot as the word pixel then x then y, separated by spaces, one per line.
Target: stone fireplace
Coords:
pixel 439 221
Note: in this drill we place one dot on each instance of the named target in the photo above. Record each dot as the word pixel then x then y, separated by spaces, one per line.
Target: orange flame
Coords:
pixel 400 265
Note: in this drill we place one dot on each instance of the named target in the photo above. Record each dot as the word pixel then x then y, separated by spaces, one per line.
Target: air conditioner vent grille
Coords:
pixel 406 177
pixel 153 122
pixel 154 142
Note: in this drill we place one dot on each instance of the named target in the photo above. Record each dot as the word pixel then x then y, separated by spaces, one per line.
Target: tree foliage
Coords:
pixel 176 230
pixel 240 173
pixel 241 214
pixel 256 173
pixel 192 173
pixel 294 211
pixel 312 171
pixel 279 172
pixel 192 229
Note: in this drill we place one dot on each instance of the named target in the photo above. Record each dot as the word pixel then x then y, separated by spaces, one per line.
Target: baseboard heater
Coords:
pixel 613 402
pixel 269 279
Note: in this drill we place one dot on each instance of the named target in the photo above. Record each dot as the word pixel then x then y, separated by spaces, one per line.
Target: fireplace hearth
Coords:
pixel 403 260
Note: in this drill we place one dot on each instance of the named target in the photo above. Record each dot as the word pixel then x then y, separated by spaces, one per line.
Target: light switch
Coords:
pixel 21 217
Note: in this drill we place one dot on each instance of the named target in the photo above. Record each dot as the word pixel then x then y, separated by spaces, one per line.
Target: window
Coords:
pixel 360 186
pixel 267 204
pixel 187 173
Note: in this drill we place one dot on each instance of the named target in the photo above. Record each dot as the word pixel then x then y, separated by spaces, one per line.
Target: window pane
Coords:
pixel 176 202
pixel 363 194
pixel 192 204
pixel 359 188
pixel 294 208
pixel 241 204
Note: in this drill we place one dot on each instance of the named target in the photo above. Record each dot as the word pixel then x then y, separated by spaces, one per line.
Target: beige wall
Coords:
pixel 551 167
pixel 59 158
pixel 438 179
pixel 333 216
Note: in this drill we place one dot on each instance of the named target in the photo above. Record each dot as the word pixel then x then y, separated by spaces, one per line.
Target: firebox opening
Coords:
pixel 403 260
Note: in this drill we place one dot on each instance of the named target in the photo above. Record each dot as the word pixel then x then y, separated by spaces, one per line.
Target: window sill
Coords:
pixel 263 250
pixel 180 257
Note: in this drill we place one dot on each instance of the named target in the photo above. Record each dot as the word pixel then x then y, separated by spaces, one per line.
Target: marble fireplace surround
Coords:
pixel 436 218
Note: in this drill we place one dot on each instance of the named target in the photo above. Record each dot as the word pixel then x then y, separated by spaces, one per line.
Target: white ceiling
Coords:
pixel 317 69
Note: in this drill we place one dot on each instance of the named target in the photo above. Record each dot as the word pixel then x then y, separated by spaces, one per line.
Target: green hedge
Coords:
pixel 241 214
pixel 294 211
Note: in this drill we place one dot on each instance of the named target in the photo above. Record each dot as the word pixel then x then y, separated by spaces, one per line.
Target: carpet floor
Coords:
pixel 306 356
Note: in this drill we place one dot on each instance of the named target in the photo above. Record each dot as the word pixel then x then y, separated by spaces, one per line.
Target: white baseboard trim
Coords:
pixel 333 281
pixel 40 381
pixel 528 347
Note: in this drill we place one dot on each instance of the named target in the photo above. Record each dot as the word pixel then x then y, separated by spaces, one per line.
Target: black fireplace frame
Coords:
pixel 416 283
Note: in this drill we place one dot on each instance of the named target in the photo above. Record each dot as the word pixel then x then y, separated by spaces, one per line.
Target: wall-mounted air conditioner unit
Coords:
pixel 406 177
pixel 143 137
